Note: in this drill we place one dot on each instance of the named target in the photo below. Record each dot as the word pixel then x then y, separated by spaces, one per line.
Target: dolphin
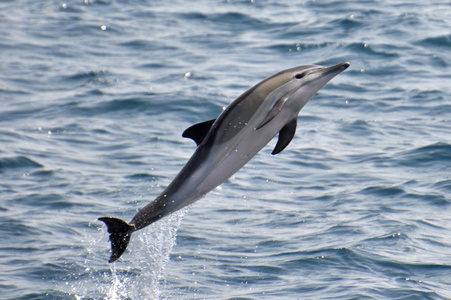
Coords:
pixel 227 143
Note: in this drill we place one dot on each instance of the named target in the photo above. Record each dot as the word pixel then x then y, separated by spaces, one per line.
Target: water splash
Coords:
pixel 139 274
pixel 151 256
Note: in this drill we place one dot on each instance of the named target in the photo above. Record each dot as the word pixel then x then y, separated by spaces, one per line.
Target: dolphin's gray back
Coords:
pixel 240 112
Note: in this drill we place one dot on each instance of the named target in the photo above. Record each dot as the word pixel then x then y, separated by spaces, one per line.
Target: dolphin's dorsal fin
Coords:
pixel 198 131
pixel 274 111
pixel 285 136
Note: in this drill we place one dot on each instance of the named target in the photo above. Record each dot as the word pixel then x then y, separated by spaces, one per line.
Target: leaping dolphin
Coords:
pixel 227 143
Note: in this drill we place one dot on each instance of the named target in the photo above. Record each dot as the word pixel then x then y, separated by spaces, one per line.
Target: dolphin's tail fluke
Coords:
pixel 120 232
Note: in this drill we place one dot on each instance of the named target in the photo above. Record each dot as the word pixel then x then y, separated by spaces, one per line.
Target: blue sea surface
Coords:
pixel 95 95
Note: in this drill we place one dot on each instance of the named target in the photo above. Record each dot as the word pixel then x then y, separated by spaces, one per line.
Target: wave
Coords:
pixel 18 162
pixel 434 154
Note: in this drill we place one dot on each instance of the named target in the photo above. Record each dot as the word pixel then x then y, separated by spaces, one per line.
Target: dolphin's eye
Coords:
pixel 299 75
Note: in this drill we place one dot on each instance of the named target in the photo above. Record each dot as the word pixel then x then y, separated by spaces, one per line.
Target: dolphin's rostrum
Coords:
pixel 227 143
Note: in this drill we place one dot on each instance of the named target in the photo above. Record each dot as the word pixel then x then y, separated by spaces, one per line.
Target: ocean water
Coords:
pixel 95 95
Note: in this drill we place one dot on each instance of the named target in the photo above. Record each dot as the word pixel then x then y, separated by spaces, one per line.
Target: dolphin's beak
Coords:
pixel 318 77
pixel 322 75
pixel 336 69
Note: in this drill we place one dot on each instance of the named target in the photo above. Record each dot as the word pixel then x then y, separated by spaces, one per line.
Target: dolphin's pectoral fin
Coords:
pixel 285 136
pixel 274 111
pixel 198 131
pixel 120 233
